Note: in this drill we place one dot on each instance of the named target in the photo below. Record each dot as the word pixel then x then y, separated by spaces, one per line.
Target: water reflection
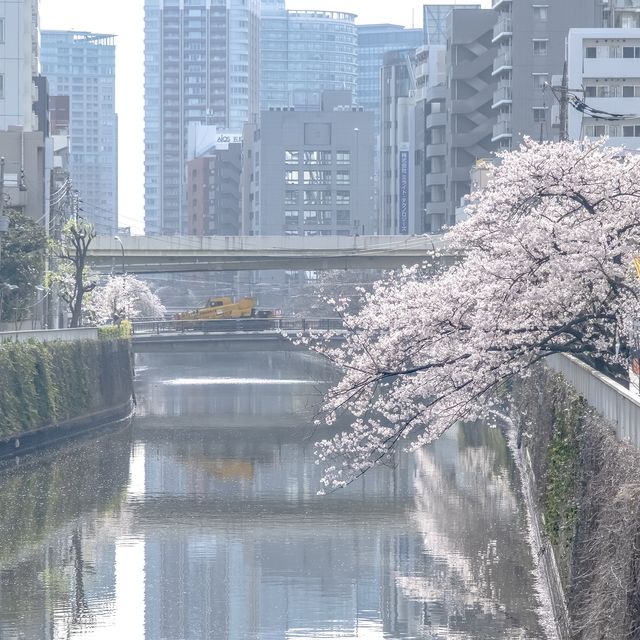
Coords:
pixel 213 528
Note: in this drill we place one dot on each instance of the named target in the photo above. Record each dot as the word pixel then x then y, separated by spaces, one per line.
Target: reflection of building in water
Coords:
pixel 264 555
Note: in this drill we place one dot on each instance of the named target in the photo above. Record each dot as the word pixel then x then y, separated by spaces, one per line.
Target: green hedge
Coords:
pixel 43 383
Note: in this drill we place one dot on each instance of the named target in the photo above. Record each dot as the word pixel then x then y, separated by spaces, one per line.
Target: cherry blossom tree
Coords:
pixel 547 268
pixel 123 297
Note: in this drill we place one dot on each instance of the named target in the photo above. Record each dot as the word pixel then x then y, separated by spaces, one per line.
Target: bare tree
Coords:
pixel 73 277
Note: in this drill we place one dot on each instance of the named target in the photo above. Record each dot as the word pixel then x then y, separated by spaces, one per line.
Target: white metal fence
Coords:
pixel 616 403
pixel 49 335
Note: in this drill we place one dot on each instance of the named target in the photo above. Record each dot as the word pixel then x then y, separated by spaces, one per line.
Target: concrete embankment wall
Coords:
pixel 586 486
pixel 51 389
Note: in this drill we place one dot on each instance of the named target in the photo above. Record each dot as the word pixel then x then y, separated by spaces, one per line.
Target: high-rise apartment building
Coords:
pixel 81 65
pixel 530 41
pixel 304 53
pixel 201 66
pixel 19 63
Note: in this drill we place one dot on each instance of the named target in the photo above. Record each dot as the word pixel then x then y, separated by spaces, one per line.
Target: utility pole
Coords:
pixel 3 220
pixel 564 103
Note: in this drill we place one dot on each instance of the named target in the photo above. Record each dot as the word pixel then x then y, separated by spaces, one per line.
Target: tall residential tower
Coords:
pixel 81 65
pixel 201 67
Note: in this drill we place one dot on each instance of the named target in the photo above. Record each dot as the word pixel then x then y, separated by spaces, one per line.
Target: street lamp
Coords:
pixel 122 248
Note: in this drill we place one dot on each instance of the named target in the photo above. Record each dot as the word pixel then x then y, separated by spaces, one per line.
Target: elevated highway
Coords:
pixel 180 254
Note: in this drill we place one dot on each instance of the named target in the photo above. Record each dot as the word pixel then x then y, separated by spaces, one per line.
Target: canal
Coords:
pixel 201 520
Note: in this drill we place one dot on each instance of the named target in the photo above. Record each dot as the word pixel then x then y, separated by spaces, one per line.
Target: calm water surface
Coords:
pixel 201 520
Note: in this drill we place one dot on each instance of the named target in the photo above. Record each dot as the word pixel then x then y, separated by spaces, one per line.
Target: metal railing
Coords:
pixel 49 335
pixel 236 325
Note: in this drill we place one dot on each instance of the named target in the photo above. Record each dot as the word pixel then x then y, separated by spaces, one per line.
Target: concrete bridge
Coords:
pixel 238 335
pixel 180 254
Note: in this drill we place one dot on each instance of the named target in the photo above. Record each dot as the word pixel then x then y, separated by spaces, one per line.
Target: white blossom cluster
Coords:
pixel 123 297
pixel 548 268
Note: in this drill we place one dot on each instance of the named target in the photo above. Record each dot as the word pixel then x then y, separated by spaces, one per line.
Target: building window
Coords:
pixel 317 177
pixel 317 197
pixel 631 52
pixel 317 217
pixel 291 216
pixel 540 47
pixel 539 80
pixel 590 52
pixel 1 86
pixel 317 157
pixel 343 177
pixel 343 198
pixel 290 197
pixel 631 91
pixel 291 177
pixel 595 131
pixel 291 157
pixel 1 29
pixel 631 131
pixel 541 12
pixel 343 217
pixel 539 114
pixel 343 157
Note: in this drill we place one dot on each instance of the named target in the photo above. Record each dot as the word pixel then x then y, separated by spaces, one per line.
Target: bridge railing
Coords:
pixel 244 325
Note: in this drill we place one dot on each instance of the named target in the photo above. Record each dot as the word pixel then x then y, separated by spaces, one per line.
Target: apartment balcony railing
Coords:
pixel 504 27
pixel 501 95
pixel 501 130
pixel 503 60
pixel 625 4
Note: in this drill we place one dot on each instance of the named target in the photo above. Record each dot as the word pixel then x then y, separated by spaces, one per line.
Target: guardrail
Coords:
pixel 244 325
pixel 49 335
pixel 616 403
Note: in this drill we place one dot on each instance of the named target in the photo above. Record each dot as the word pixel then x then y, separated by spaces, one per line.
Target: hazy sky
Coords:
pixel 125 19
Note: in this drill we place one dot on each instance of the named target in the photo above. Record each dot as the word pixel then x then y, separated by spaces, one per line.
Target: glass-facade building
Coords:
pixel 304 53
pixel 374 40
pixel 81 65
pixel 201 67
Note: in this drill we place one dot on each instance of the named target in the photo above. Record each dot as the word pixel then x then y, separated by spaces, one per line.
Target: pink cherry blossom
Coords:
pixel 547 268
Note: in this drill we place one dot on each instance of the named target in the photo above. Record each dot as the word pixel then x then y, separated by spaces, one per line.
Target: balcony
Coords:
pixel 502 130
pixel 626 4
pixel 437 120
pixel 502 95
pixel 502 61
pixel 503 29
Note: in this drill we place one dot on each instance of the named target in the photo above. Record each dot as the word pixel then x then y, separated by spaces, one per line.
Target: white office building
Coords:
pixel 604 73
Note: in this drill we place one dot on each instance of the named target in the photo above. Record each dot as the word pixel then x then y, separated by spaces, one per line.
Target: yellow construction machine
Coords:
pixel 222 307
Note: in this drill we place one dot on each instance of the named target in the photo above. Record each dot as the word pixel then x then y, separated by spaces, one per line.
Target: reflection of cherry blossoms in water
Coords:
pixel 475 574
